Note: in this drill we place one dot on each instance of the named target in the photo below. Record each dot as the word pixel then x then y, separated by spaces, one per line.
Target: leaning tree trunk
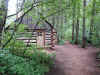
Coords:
pixel 3 14
pixel 84 37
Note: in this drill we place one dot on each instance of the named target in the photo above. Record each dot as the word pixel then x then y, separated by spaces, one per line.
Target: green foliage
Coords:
pixel 21 28
pixel 60 14
pixel 18 48
pixel 36 63
pixel 22 60
pixel 72 42
pixel 61 42
pixel 95 41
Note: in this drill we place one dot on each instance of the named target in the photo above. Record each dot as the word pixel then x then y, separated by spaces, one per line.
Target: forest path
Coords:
pixel 72 60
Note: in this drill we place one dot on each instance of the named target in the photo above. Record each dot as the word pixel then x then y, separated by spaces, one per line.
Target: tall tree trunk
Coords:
pixel 62 25
pixel 83 35
pixel 78 22
pixel 73 24
pixel 92 20
pixel 3 14
pixel 77 31
pixel 53 20
pixel 73 27
pixel 58 27
pixel 59 22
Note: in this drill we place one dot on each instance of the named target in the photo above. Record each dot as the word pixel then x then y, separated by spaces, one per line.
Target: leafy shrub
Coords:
pixel 72 42
pixel 22 60
pixel 61 42
pixel 36 63
pixel 18 48
pixel 95 41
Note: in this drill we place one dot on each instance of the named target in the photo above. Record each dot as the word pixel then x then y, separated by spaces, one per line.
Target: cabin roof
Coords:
pixel 28 21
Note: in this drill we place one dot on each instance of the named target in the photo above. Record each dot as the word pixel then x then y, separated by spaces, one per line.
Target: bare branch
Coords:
pixel 32 6
pixel 24 8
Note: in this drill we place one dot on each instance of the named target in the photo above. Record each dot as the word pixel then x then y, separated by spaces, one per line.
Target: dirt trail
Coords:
pixel 72 60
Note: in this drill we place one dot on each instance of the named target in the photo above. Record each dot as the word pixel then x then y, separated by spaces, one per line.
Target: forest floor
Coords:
pixel 73 60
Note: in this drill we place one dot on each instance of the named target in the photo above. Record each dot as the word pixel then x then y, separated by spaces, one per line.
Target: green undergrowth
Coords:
pixel 61 42
pixel 21 60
